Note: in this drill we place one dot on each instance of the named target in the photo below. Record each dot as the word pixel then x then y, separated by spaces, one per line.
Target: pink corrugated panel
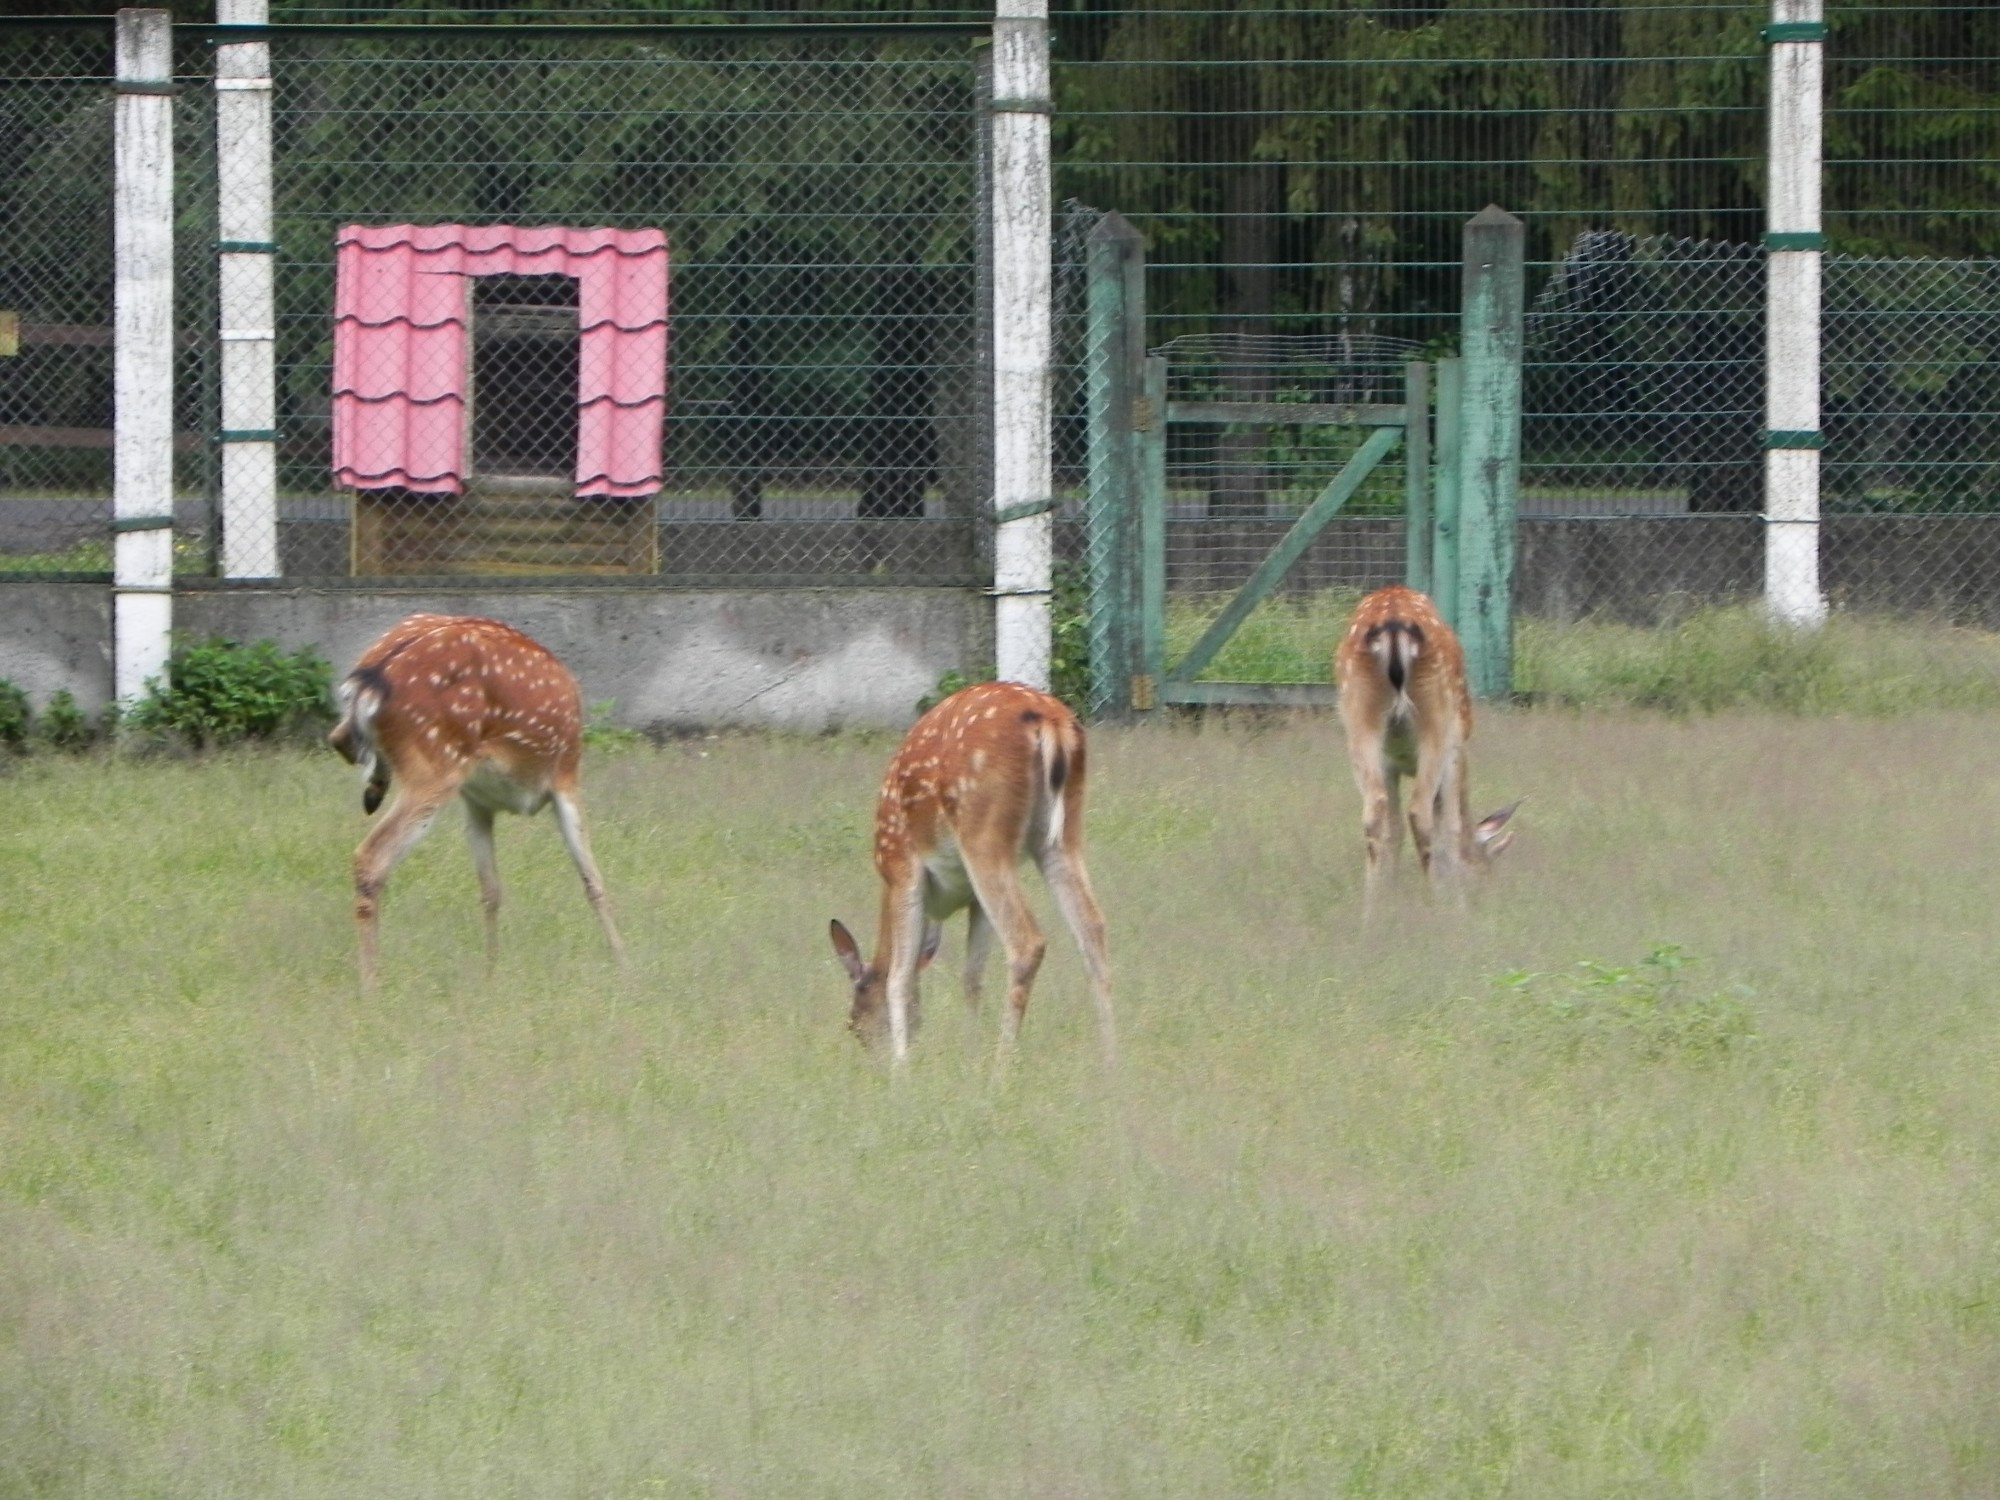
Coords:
pixel 400 349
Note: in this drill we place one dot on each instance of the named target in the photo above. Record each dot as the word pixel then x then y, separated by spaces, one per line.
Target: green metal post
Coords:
pixel 1490 455
pixel 1417 476
pixel 1151 447
pixel 1114 360
pixel 1445 507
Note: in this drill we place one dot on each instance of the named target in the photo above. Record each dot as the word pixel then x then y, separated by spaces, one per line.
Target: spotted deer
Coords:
pixel 450 704
pixel 1407 712
pixel 993 773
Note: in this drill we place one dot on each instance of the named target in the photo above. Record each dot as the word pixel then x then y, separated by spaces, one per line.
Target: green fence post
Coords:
pixel 1150 447
pixel 1490 453
pixel 1417 476
pixel 1114 360
pixel 1444 504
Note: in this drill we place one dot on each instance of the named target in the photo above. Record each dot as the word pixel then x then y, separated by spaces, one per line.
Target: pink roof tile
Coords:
pixel 402 314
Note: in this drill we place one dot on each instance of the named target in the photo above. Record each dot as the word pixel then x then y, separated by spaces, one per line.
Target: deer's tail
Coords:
pixel 1396 645
pixel 1059 750
pixel 361 695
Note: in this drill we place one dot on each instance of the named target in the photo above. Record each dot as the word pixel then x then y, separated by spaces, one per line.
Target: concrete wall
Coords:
pixel 55 636
pixel 794 659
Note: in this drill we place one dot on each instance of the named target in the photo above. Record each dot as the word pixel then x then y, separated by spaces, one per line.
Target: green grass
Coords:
pixel 1667 1170
pixel 1714 658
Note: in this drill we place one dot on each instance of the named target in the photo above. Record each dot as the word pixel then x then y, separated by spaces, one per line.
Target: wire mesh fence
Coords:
pixel 56 114
pixel 817 414
pixel 1644 418
pixel 1300 173
pixel 1306 170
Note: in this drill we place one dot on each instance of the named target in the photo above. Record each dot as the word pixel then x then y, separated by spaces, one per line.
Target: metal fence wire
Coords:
pixel 56 108
pixel 1644 407
pixel 1298 172
pixel 817 196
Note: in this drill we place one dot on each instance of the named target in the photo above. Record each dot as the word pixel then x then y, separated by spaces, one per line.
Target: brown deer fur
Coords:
pixel 991 774
pixel 448 705
pixel 1407 712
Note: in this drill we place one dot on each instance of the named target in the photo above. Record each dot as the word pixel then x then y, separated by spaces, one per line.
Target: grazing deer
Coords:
pixel 992 773
pixel 1404 702
pixel 446 704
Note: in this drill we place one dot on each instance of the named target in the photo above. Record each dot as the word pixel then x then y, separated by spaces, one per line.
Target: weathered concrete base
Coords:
pixel 55 636
pixel 794 659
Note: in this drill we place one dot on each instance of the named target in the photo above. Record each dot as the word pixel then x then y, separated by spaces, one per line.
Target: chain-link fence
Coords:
pixel 56 108
pixel 1300 174
pixel 1307 170
pixel 1644 420
pixel 800 207
pixel 817 415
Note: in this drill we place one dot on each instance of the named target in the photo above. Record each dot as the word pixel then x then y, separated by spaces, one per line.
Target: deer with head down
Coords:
pixel 450 705
pixel 1408 712
pixel 992 775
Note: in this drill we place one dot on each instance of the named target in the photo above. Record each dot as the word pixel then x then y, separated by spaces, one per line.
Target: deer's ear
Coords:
pixel 933 936
pixel 848 951
pixel 1491 830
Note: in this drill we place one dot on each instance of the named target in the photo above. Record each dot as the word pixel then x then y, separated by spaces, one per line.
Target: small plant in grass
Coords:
pixel 951 682
pixel 602 735
pixel 14 716
pixel 1648 1008
pixel 218 692
pixel 1069 647
pixel 1069 637
pixel 63 725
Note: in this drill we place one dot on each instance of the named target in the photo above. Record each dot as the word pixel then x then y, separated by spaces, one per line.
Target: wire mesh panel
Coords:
pixel 819 411
pixel 1911 472
pixel 1642 477
pixel 1236 484
pixel 1301 168
pixel 56 133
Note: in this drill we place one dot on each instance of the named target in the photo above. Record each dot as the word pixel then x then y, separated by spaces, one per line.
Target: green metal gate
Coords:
pixel 1458 496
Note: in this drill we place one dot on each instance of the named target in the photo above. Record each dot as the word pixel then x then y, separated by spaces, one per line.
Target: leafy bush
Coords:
pixel 1069 648
pixel 63 724
pixel 13 716
pixel 1645 1008
pixel 220 692
pixel 1069 637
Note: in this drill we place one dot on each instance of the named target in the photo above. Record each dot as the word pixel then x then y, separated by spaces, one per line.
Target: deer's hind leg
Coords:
pixel 569 821
pixel 1069 881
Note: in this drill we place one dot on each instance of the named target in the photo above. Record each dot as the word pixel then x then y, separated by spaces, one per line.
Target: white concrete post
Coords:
pixel 142 450
pixel 248 309
pixel 1793 244
pixel 1023 332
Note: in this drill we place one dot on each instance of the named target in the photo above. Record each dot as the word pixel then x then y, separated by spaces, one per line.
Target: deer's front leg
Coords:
pixel 407 821
pixel 903 923
pixel 978 946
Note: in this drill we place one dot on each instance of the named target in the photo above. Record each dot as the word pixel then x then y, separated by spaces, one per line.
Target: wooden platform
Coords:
pixel 502 525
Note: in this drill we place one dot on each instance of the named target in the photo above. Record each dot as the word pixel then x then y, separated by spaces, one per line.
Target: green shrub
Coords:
pixel 220 692
pixel 13 716
pixel 63 724
pixel 1069 637
pixel 1069 648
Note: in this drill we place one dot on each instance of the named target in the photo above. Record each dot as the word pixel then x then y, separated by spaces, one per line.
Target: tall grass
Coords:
pixel 1713 658
pixel 1668 1169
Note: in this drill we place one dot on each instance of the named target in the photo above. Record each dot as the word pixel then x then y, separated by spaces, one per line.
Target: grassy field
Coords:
pixel 1712 658
pixel 1667 1170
